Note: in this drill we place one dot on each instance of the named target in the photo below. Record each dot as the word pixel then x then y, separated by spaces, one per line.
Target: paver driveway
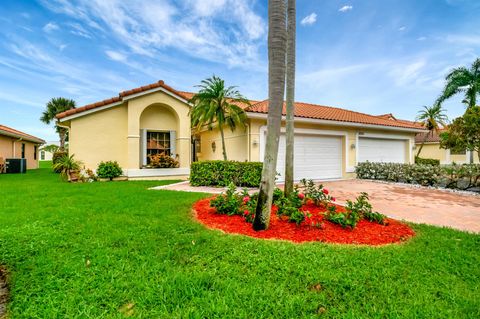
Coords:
pixel 419 205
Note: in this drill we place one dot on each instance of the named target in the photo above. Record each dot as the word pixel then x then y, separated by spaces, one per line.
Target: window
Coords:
pixel 42 155
pixel 158 143
pixel 23 150
pixel 35 150
pixel 457 151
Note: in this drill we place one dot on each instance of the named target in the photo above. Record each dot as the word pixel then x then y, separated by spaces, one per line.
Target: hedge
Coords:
pixel 222 173
pixel 453 176
pixel 427 161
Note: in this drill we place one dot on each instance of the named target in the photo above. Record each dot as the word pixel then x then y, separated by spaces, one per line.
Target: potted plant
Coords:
pixel 68 167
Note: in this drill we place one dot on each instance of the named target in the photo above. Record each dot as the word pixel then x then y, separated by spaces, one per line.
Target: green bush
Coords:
pixel 453 176
pixel 57 157
pixel 228 203
pixel 66 164
pixel 427 161
pixel 109 169
pixel 222 173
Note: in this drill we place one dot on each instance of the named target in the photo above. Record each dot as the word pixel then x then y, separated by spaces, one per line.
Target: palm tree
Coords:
pixel 432 118
pixel 53 107
pixel 277 37
pixel 290 135
pixel 463 80
pixel 217 105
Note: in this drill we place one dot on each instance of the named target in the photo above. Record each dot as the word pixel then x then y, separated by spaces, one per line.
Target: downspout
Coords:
pixel 249 142
pixel 14 149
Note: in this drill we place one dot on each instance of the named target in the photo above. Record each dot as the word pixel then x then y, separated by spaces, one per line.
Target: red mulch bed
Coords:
pixel 366 233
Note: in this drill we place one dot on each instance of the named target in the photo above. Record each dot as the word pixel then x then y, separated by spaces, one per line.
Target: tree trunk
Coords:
pixel 290 135
pixel 224 150
pixel 423 143
pixel 62 134
pixel 276 89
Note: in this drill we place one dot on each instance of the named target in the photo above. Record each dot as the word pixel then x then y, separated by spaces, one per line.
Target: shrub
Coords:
pixel 228 203
pixel 454 176
pixel 162 161
pixel 427 161
pixel 318 194
pixel 56 157
pixel 222 173
pixel 66 164
pixel 344 219
pixel 109 169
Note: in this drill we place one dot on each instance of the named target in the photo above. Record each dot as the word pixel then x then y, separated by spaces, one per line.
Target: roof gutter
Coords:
pixel 20 137
pixel 297 119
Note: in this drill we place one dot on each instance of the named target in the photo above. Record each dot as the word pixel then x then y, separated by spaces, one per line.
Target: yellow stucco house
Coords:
pixel 431 149
pixel 329 141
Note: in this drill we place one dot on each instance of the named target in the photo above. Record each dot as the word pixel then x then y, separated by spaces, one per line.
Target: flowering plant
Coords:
pixel 318 194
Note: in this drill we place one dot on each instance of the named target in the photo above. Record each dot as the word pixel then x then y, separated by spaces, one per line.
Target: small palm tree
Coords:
pixel 432 118
pixel 463 80
pixel 66 165
pixel 217 106
pixel 53 107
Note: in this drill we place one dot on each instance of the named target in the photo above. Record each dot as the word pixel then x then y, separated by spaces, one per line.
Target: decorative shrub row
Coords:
pixel 222 173
pixel 427 161
pixel 453 176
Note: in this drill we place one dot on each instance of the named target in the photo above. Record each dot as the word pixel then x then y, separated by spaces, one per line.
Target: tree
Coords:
pixel 51 148
pixel 277 36
pixel 290 107
pixel 463 80
pixel 217 106
pixel 53 107
pixel 432 118
pixel 464 132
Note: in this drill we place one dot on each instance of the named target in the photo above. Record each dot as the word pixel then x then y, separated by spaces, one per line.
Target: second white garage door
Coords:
pixel 381 150
pixel 316 157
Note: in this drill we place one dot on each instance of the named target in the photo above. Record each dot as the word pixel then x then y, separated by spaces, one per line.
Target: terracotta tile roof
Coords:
pixel 433 137
pixel 313 111
pixel 120 97
pixel 305 110
pixel 8 131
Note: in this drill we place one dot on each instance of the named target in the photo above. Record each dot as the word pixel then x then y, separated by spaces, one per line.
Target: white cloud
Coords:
pixel 211 30
pixel 404 74
pixel 51 26
pixel 310 19
pixel 402 28
pixel 116 56
pixel 422 38
pixel 345 8
pixel 463 39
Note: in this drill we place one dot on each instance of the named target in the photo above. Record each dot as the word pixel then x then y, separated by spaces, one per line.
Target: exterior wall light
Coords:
pixel 352 146
pixel 255 142
pixel 214 146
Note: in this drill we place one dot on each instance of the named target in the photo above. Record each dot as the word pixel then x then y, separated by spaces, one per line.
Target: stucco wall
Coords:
pixel 7 150
pixel 235 143
pixel 114 133
pixel 100 136
pixel 433 150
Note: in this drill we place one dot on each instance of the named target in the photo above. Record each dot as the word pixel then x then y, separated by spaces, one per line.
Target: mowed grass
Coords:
pixel 112 250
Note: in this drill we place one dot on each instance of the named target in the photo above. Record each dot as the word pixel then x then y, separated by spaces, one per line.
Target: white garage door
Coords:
pixel 381 150
pixel 316 157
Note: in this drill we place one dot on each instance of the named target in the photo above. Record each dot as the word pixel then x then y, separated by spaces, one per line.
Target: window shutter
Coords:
pixel 143 146
pixel 173 143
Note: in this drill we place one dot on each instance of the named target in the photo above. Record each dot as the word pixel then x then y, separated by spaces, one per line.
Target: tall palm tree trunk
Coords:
pixel 290 135
pixel 63 136
pixel 423 143
pixel 276 90
pixel 224 150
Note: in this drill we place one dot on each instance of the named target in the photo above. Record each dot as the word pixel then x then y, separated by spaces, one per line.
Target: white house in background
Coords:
pixel 44 154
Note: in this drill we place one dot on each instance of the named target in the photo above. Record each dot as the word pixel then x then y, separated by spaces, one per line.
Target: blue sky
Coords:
pixel 376 56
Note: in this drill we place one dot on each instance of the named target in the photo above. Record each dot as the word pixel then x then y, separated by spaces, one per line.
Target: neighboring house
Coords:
pixel 432 149
pixel 46 153
pixel 329 141
pixel 16 144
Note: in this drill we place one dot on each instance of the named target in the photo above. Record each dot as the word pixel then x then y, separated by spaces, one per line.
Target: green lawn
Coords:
pixel 144 248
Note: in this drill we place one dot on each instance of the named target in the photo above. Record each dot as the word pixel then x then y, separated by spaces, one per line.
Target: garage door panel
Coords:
pixel 381 150
pixel 315 157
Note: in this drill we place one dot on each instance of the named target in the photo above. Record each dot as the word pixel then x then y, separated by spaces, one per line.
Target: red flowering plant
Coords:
pixel 249 205
pixel 318 194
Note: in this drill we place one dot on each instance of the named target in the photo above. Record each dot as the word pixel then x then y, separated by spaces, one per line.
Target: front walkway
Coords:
pixel 415 204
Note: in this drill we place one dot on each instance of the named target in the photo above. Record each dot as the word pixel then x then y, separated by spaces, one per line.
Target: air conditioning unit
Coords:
pixel 16 165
